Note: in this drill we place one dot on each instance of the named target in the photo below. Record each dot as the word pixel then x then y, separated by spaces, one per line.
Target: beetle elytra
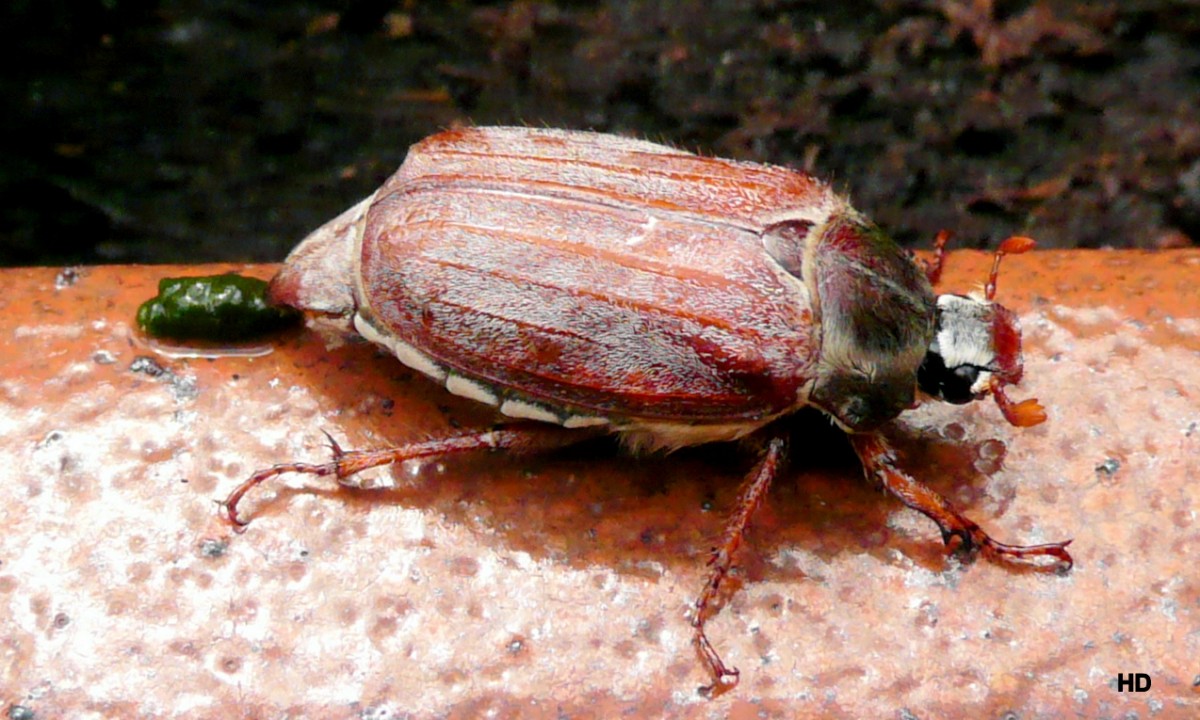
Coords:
pixel 586 284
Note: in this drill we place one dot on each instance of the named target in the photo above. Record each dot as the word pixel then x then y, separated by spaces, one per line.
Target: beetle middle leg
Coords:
pixel 753 492
pixel 519 438
pixel 879 459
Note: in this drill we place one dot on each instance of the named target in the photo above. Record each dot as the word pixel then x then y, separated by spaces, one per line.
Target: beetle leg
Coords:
pixel 520 438
pixel 879 459
pixel 754 490
pixel 933 268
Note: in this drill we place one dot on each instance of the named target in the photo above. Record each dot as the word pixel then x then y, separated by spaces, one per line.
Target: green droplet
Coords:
pixel 214 307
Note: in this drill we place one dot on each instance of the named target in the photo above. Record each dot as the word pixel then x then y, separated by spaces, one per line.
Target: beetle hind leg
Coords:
pixel 520 438
pixel 720 563
pixel 878 460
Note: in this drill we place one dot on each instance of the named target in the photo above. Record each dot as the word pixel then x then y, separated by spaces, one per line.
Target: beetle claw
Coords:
pixel 966 548
pixel 1000 552
pixel 973 541
pixel 239 525
pixel 334 447
pixel 727 681
pixel 725 678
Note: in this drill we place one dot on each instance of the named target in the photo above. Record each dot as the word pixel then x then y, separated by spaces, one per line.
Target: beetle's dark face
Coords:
pixel 952 385
pixel 962 357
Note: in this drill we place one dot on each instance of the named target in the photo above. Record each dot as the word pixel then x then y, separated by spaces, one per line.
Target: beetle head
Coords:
pixel 976 350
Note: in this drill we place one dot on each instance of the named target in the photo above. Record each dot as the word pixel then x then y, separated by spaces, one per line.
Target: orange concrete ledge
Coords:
pixel 559 587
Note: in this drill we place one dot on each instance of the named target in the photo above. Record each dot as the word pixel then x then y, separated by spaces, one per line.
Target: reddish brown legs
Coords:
pixel 1014 245
pixel 933 268
pixel 878 459
pixel 516 438
pixel 754 490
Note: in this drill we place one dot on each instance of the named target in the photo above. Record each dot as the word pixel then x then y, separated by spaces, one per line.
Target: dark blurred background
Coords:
pixel 190 131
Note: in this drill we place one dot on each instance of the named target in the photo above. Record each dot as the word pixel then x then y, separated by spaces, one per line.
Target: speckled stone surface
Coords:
pixel 559 586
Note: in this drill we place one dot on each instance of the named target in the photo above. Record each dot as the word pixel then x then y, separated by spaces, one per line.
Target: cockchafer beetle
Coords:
pixel 588 284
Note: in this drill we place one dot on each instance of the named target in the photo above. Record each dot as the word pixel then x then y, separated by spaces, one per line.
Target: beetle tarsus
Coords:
pixel 720 562
pixel 230 503
pixel 516 438
pixel 724 678
pixel 996 551
pixel 973 540
pixel 878 460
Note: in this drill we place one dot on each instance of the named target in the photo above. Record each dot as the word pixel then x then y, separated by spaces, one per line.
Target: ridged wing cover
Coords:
pixel 604 276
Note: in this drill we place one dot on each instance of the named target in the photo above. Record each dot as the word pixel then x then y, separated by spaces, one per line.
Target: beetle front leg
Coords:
pixel 879 460
pixel 754 490
pixel 520 438
pixel 933 268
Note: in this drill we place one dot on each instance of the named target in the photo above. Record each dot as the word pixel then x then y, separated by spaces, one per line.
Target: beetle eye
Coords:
pixel 950 385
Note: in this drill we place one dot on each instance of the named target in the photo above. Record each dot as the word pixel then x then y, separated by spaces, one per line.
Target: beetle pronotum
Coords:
pixel 585 284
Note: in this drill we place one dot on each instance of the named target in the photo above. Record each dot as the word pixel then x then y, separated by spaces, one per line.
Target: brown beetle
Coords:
pixel 590 284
